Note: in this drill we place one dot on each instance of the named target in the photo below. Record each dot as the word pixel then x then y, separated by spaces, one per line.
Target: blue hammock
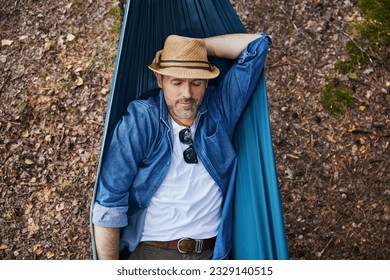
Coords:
pixel 258 218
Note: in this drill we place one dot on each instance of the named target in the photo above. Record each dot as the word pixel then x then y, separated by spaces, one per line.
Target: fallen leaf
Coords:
pixel 32 227
pixel 353 76
pixel 49 255
pixel 79 81
pixel 24 134
pixel 48 45
pixel 3 246
pixel 37 248
pixel 60 41
pixel 368 71
pixel 70 37
pixel 289 173
pixel 354 149
pixel 330 138
pixel 6 42
pixel 362 108
pixel 29 161
pixel 60 206
pixel 46 194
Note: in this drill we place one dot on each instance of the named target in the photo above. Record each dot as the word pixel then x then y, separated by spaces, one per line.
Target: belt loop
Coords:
pixel 198 246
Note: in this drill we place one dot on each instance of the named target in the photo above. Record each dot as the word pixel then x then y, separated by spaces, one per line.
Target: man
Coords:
pixel 166 185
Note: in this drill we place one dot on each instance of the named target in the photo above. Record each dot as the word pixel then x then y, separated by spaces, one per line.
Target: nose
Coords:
pixel 186 90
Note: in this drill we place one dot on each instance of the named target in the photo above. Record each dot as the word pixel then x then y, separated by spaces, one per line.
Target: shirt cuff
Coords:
pixel 246 54
pixel 109 217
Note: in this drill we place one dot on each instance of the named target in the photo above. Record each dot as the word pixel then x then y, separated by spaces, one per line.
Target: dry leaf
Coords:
pixel 25 134
pixel 60 206
pixel 60 41
pixel 6 42
pixel 289 173
pixel 79 81
pixel 48 45
pixel 37 249
pixel 49 255
pixel 29 161
pixel 46 194
pixel 70 37
pixel 32 227
pixel 330 138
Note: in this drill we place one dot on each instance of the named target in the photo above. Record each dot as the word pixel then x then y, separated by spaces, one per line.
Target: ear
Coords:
pixel 159 78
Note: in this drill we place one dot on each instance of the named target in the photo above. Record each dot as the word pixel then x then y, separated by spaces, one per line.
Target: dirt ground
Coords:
pixel 56 63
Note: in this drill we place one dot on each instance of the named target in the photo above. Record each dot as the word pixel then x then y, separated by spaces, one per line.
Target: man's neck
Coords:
pixel 183 122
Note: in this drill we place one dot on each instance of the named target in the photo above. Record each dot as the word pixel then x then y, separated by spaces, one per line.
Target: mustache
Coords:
pixel 186 100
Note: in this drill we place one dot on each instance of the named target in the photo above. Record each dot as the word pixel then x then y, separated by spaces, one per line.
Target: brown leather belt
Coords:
pixel 185 245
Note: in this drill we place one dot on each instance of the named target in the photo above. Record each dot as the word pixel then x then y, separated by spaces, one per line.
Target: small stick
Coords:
pixel 6 81
pixel 293 10
pixel 357 45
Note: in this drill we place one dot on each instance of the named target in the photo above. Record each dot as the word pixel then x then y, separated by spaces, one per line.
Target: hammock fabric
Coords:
pixel 258 218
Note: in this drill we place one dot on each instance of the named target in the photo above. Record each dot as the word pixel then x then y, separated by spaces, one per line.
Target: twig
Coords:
pixel 6 81
pixel 293 10
pixel 357 45
pixel 326 246
pixel 95 122
pixel 295 27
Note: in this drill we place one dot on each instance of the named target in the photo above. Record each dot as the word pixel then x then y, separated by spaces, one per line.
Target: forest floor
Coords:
pixel 56 64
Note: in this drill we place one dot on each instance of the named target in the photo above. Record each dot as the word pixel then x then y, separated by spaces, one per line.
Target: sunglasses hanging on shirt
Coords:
pixel 189 154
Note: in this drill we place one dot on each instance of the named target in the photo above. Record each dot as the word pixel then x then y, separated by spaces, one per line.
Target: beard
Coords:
pixel 184 108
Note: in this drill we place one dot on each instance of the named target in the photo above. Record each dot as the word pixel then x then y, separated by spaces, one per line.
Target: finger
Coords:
pixel 158 56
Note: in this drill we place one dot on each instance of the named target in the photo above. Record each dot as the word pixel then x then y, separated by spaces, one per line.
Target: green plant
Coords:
pixel 372 35
pixel 374 30
pixel 116 13
pixel 336 99
pixel 44 73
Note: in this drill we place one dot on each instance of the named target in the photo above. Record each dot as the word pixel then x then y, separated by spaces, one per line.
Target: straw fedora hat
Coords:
pixel 185 58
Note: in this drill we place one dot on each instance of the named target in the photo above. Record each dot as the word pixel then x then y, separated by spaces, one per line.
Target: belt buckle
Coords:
pixel 198 245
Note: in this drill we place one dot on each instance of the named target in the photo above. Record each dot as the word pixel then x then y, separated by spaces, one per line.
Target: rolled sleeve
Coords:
pixel 250 51
pixel 109 217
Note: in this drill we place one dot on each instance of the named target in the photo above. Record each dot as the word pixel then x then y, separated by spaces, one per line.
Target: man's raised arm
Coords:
pixel 230 45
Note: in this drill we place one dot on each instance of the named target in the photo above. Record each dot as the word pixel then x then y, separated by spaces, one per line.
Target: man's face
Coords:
pixel 183 97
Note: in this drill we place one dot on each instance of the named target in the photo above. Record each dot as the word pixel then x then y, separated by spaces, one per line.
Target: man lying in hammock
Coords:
pixel 166 185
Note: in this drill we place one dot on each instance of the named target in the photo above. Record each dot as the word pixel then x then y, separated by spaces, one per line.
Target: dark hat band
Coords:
pixel 185 64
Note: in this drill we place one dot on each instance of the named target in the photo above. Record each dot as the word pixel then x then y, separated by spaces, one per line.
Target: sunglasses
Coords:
pixel 189 154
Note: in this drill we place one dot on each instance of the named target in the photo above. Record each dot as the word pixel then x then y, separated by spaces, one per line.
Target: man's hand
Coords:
pixel 157 57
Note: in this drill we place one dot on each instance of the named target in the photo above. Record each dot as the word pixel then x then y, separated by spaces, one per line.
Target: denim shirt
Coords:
pixel 139 155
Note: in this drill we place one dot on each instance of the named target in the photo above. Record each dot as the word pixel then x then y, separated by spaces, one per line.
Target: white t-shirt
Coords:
pixel 188 202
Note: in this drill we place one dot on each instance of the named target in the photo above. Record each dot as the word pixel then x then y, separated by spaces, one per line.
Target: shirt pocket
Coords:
pixel 218 146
